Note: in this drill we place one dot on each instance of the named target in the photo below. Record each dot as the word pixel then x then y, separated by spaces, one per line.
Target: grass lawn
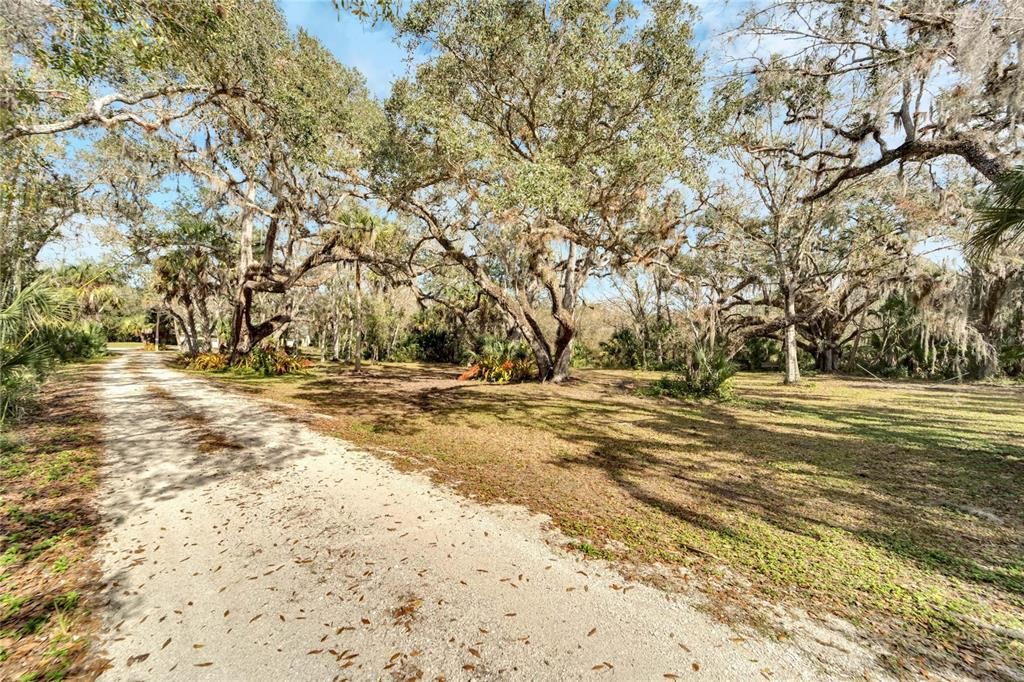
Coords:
pixel 48 525
pixel 896 506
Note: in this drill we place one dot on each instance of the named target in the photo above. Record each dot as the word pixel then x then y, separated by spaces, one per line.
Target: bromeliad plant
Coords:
pixel 205 362
pixel 265 361
pixel 500 362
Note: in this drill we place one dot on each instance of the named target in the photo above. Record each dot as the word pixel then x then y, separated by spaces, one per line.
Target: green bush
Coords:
pixel 501 361
pixel 706 375
pixel 758 352
pixel 273 362
pixel 623 349
pixel 654 345
pixel 78 341
pixel 35 334
pixel 583 356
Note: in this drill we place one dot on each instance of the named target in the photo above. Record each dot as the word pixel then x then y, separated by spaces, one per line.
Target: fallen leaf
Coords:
pixel 132 660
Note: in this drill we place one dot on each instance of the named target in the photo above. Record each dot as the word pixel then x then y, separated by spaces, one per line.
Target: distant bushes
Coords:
pixel 706 375
pixel 759 353
pixel 655 344
pixel 273 362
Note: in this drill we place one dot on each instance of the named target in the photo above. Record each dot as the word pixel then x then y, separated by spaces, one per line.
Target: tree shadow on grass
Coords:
pixel 914 485
pixel 895 513
pixel 935 491
pixel 899 461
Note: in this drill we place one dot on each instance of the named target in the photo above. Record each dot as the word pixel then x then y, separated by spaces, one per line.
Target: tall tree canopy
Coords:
pixel 540 142
pixel 898 82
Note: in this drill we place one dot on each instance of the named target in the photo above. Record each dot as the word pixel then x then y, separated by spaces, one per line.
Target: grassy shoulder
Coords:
pixel 896 506
pixel 48 580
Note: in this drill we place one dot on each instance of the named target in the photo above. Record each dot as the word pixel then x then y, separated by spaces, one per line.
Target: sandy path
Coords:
pixel 291 555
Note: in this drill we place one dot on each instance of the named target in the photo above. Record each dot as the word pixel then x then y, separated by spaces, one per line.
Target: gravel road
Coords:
pixel 242 545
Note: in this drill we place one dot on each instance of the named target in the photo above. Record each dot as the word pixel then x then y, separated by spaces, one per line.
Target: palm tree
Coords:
pixel 999 219
pixel 25 353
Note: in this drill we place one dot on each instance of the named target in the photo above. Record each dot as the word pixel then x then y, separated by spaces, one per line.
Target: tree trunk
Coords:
pixel 247 335
pixel 542 356
pixel 851 362
pixel 357 353
pixel 827 358
pixel 183 334
pixel 563 354
pixel 241 342
pixel 790 348
pixel 207 325
pixel 178 335
pixel 336 350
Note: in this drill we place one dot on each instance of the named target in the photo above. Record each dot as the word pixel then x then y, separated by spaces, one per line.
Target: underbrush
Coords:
pixel 704 376
pixel 501 362
pixel 261 361
pixel 204 362
pixel 26 361
pixel 48 525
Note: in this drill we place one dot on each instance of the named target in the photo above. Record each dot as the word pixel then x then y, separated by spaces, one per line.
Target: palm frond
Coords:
pixel 37 305
pixel 999 219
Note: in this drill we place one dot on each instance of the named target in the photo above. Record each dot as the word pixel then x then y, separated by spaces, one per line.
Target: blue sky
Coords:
pixel 371 49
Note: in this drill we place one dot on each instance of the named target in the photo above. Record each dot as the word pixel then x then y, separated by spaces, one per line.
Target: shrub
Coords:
pixel 206 362
pixel 704 376
pixel 79 341
pixel 407 352
pixel 758 352
pixel 273 362
pixel 583 356
pixel 501 362
pixel 623 349
pixel 32 322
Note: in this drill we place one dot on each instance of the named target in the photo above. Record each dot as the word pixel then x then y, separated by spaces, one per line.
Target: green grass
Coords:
pixel 896 506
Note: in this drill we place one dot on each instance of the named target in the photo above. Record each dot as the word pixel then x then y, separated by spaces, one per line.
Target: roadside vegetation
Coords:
pixel 893 505
pixel 49 580
pixel 598 211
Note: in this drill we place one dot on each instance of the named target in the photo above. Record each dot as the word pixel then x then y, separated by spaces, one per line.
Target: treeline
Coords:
pixel 559 179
